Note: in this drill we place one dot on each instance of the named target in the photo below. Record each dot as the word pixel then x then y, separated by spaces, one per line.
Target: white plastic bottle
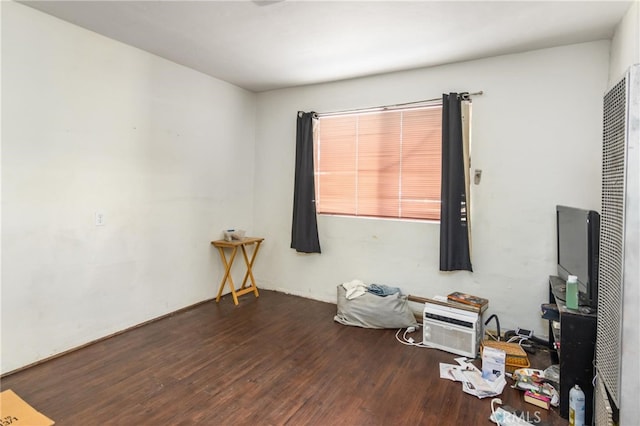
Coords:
pixel 576 406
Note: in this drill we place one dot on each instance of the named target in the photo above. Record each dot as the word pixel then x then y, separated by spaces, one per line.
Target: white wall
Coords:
pixel 536 137
pixel 91 125
pixel 625 44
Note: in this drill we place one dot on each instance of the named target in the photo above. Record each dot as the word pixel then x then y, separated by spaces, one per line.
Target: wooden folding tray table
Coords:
pixel 233 245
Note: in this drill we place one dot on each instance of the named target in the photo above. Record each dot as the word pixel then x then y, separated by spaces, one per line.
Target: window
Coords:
pixel 380 164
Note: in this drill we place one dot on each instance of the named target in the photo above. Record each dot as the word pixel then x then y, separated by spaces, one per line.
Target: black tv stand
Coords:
pixel 559 288
pixel 573 338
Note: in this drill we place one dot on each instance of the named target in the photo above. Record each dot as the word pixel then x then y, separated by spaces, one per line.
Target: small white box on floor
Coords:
pixel 493 361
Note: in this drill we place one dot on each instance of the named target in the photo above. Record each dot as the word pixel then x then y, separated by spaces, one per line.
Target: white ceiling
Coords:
pixel 263 45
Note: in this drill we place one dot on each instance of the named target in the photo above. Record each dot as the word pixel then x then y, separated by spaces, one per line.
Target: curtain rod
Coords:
pixel 465 97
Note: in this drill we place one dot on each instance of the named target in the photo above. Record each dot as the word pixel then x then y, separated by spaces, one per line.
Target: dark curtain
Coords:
pixel 304 231
pixel 454 237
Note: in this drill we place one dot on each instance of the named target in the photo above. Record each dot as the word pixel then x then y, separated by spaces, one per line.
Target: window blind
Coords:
pixel 380 164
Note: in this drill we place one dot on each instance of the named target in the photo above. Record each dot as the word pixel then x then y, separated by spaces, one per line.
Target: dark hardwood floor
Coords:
pixel 275 360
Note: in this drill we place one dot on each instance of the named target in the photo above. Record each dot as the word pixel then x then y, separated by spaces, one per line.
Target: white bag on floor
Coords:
pixel 372 311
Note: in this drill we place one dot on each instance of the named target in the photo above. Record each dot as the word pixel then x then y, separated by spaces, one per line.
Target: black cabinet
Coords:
pixel 574 338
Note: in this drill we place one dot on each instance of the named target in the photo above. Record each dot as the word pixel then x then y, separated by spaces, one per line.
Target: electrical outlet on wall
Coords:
pixel 100 218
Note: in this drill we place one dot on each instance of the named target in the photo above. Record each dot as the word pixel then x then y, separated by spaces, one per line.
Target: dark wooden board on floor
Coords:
pixel 275 360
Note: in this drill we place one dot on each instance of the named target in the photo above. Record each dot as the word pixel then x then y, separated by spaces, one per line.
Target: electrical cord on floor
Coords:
pixel 493 417
pixel 530 343
pixel 409 341
pixel 518 339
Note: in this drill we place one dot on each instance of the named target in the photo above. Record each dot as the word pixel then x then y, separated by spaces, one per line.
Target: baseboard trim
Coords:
pixel 101 339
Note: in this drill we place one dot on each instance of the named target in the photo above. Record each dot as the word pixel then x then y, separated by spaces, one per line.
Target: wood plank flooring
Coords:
pixel 274 360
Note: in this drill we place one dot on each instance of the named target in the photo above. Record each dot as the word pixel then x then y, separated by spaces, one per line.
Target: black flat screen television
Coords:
pixel 578 240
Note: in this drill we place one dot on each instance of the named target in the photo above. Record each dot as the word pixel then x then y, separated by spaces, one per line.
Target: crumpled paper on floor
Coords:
pixel 471 378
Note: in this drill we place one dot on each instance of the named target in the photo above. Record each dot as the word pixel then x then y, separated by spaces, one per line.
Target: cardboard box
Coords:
pixel 493 361
pixel 516 356
pixel 15 411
